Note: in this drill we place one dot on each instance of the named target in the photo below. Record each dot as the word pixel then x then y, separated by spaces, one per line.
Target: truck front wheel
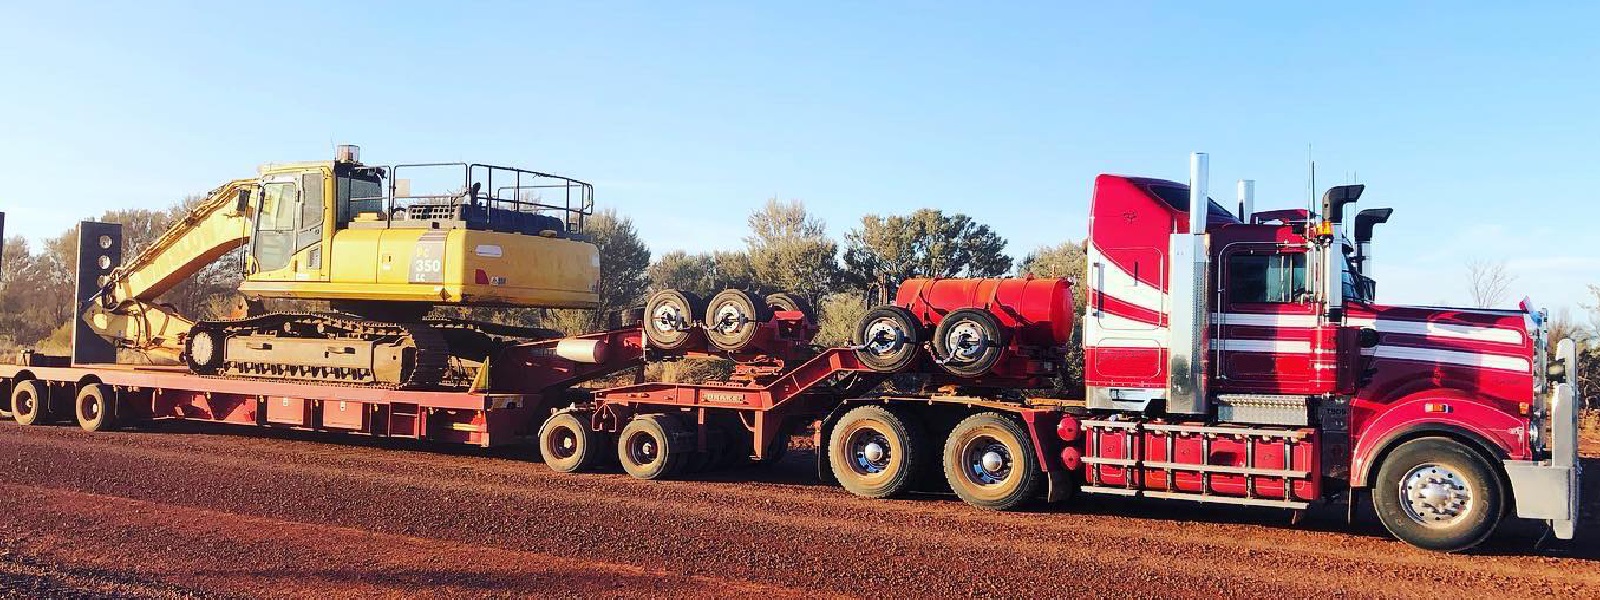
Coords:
pixel 1438 494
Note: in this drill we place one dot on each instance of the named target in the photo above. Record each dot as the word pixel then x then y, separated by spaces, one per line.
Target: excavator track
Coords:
pixel 342 349
pixel 326 348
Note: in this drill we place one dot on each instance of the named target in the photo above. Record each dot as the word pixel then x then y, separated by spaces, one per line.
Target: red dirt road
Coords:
pixel 179 512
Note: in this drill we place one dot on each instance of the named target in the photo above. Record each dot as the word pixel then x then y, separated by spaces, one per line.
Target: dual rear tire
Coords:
pixel 987 458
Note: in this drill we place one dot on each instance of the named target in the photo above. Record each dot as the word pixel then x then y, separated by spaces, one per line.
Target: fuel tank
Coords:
pixel 1038 312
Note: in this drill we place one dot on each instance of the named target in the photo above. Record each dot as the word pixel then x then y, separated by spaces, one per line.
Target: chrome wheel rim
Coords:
pixel 870 451
pixel 965 341
pixel 1434 495
pixel 987 461
pixel 884 337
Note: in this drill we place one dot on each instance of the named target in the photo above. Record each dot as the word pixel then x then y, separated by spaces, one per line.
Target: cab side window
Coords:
pixel 1266 278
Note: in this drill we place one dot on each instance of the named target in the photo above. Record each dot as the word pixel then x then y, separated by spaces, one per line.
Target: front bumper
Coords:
pixel 1548 489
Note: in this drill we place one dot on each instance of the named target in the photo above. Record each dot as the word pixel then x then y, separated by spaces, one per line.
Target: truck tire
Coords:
pixel 989 462
pixel 732 318
pixel 875 452
pixel 654 446
pixel 30 402
pixel 670 317
pixel 787 301
pixel 569 445
pixel 96 408
pixel 888 339
pixel 1438 494
pixel 968 342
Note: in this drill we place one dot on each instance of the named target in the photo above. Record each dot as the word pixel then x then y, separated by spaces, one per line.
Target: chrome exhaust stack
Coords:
pixel 1247 200
pixel 1188 290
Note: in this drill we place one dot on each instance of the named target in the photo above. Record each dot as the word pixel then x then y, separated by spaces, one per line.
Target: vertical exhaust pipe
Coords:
pixel 1247 199
pixel 1188 289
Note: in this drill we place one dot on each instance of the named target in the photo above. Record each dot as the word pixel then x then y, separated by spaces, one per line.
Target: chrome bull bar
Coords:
pixel 1548 489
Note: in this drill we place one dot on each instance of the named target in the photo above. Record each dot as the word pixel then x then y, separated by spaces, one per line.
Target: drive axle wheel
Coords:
pixel 96 408
pixel 568 444
pixel 732 318
pixel 968 342
pixel 1438 494
pixel 888 338
pixel 654 446
pixel 989 462
pixel 669 318
pixel 30 402
pixel 876 453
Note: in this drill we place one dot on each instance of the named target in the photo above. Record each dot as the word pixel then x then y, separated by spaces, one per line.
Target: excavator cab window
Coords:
pixel 273 243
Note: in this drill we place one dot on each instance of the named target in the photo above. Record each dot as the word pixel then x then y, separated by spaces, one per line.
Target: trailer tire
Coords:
pixel 989 462
pixel 888 338
pixel 569 445
pixel 968 342
pixel 96 408
pixel 30 402
pixel 875 452
pixel 732 318
pixel 787 301
pixel 670 316
pixel 1438 494
pixel 654 446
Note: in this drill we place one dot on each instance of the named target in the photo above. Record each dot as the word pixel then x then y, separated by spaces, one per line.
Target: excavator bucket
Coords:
pixel 99 251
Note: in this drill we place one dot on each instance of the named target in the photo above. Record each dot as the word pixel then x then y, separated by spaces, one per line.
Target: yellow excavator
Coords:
pixel 356 236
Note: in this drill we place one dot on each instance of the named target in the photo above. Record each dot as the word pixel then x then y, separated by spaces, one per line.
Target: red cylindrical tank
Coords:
pixel 1037 311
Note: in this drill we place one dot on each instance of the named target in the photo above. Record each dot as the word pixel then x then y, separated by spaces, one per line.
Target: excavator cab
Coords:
pixel 476 235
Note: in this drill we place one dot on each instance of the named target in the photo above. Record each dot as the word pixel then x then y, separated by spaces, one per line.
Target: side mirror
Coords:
pixel 1369 337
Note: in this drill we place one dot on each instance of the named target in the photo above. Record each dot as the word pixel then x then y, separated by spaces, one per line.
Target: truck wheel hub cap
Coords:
pixel 667 318
pixel 871 452
pixel 728 319
pixel 988 461
pixel 1435 496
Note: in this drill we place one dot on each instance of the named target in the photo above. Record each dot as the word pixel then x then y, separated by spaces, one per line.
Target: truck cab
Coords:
pixel 1269 320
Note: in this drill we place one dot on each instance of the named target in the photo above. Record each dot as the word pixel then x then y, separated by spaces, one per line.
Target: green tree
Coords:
pixel 704 273
pixel 790 250
pixel 927 243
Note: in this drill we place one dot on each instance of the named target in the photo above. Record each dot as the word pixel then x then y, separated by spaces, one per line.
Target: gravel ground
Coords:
pixel 184 511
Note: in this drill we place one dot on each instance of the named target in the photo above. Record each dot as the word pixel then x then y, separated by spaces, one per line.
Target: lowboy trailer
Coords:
pixel 1230 357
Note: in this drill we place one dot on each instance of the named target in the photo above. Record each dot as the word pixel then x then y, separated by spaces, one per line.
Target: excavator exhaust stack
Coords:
pixel 99 252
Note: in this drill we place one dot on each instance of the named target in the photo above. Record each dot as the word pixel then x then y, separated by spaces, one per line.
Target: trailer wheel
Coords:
pixel 787 301
pixel 876 452
pixel 96 408
pixel 888 338
pixel 30 402
pixel 732 318
pixel 568 444
pixel 1438 494
pixel 669 318
pixel 654 446
pixel 968 342
pixel 990 464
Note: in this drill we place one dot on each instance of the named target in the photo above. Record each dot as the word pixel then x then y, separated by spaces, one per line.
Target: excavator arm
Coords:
pixel 124 310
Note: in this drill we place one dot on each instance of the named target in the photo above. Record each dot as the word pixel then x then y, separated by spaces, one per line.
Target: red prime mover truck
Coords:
pixel 1230 358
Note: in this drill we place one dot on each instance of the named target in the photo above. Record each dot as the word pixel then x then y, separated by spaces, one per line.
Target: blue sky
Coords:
pixel 1476 122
